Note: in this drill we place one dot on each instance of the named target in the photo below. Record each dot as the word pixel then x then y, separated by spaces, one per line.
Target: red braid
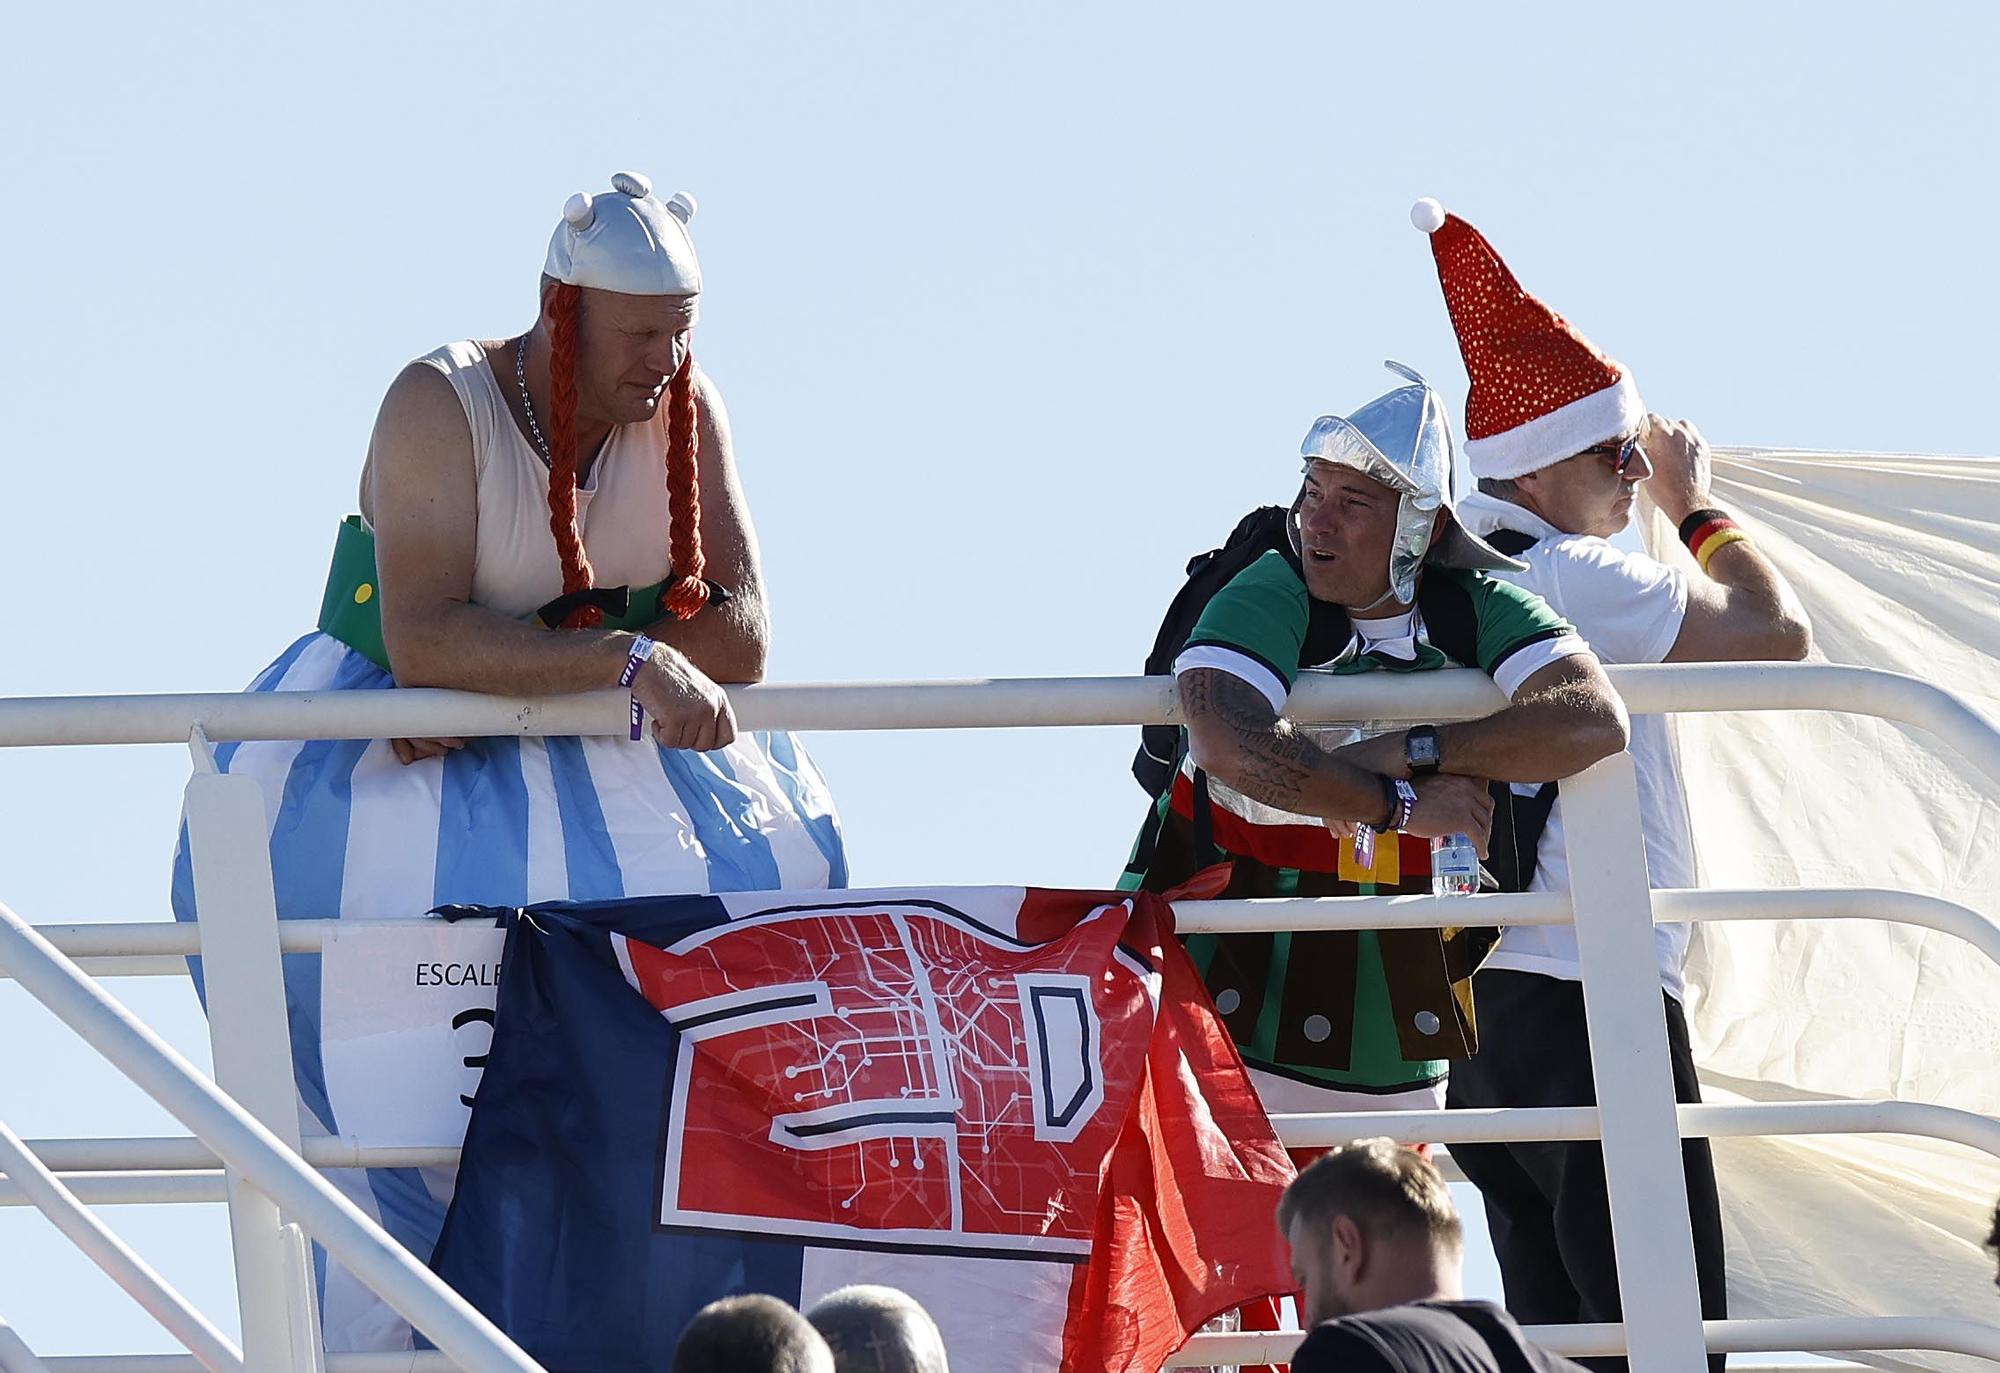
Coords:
pixel 566 305
pixel 689 592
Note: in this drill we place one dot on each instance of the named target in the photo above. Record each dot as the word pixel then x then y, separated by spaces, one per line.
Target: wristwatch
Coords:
pixel 1420 750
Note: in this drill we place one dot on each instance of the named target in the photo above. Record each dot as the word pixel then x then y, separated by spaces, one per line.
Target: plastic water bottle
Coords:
pixel 1454 865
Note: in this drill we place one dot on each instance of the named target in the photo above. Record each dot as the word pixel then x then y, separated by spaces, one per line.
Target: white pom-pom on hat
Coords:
pixel 635 184
pixel 681 206
pixel 578 212
pixel 1427 215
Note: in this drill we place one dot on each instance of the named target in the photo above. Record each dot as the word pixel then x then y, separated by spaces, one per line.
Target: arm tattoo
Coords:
pixel 1274 762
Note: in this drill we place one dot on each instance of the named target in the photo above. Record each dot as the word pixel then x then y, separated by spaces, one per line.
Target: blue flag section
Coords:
pixel 550 1231
pixel 979 1095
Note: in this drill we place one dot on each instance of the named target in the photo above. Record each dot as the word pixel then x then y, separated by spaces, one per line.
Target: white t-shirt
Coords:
pixel 1630 608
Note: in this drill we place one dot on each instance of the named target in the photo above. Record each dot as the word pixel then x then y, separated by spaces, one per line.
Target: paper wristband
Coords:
pixel 642 649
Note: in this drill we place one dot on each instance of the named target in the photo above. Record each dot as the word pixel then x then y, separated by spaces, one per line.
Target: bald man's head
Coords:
pixel 754 1334
pixel 879 1330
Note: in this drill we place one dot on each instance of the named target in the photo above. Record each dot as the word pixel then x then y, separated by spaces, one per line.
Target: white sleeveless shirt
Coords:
pixel 622 512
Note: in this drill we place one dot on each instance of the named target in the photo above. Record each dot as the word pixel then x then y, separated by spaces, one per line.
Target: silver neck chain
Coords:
pixel 527 405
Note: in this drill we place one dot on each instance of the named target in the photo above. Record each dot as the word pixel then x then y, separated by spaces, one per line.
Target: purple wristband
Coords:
pixel 642 650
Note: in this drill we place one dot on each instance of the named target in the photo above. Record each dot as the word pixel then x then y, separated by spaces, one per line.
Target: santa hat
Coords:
pixel 1541 392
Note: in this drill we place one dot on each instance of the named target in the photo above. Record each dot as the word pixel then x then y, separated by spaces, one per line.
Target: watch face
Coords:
pixel 1422 749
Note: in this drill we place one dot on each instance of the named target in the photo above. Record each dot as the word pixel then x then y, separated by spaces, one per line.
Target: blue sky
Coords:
pixel 1014 308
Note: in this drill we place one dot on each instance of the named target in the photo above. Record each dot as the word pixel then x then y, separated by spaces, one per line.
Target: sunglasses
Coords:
pixel 1624 454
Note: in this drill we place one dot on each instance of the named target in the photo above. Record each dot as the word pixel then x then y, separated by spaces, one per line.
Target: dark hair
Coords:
pixel 874 1329
pixel 1500 488
pixel 752 1334
pixel 1993 1240
pixel 1386 1190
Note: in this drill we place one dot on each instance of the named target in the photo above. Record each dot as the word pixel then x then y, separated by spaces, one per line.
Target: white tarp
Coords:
pixel 1898 562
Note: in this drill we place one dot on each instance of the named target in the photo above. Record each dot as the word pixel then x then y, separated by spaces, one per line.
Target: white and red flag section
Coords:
pixel 1016 1104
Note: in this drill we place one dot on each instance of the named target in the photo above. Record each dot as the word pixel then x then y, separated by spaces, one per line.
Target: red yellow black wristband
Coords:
pixel 1708 532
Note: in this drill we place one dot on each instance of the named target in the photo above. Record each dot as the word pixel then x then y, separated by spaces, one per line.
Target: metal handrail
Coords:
pixel 158 947
pixel 118 1171
pixel 983 704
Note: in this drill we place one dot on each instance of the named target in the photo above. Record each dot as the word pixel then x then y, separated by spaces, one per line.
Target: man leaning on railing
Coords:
pixel 1560 442
pixel 1370 572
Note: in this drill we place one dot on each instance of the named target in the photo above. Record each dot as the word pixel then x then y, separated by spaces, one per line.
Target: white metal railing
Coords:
pixel 1636 1117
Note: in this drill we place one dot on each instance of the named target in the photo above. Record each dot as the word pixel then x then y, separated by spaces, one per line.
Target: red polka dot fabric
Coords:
pixel 1524 359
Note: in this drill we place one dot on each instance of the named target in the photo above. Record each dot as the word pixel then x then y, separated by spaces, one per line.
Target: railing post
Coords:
pixel 229 849
pixel 1628 1054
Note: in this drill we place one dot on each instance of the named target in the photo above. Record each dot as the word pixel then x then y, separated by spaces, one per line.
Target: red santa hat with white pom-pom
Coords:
pixel 1541 392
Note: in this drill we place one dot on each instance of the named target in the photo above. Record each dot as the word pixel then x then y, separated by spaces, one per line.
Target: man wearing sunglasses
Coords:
pixel 1561 443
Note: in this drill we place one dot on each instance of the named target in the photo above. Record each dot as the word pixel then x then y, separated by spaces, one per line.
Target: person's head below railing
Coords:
pixel 1993 1240
pixel 751 1334
pixel 875 1329
pixel 1377 1247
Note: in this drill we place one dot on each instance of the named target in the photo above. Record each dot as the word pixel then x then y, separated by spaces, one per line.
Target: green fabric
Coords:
pixel 351 609
pixel 1263 612
pixel 1509 617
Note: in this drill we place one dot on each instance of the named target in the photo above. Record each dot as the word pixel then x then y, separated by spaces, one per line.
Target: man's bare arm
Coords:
pixel 1741 610
pixel 422 500
pixel 1563 719
pixel 1235 736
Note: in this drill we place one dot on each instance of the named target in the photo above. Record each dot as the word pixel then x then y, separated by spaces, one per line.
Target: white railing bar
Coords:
pixel 137 965
pixel 991 703
pixel 1831 903
pixel 134 1187
pixel 209 1186
pixel 410 1289
pixel 15 1356
pixel 1843 1333
pixel 167 942
pixel 140 1280
pixel 154 1153
pixel 121 1165
pixel 1714 1120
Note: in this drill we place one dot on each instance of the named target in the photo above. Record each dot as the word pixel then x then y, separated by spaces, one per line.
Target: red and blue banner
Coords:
pixel 1015 1104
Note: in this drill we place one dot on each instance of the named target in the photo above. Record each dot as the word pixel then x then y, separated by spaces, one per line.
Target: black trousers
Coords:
pixel 1546 1204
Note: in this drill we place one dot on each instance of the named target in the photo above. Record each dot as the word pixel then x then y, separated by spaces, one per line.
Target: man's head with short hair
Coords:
pixel 874 1329
pixel 753 1334
pixel 1370 1224
pixel 1993 1240
pixel 1591 492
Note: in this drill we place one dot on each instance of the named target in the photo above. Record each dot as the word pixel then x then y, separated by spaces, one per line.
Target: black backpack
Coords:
pixel 1448 621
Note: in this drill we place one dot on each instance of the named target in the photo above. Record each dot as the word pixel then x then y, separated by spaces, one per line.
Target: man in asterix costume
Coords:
pixel 1379 576
pixel 548 513
pixel 1561 443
